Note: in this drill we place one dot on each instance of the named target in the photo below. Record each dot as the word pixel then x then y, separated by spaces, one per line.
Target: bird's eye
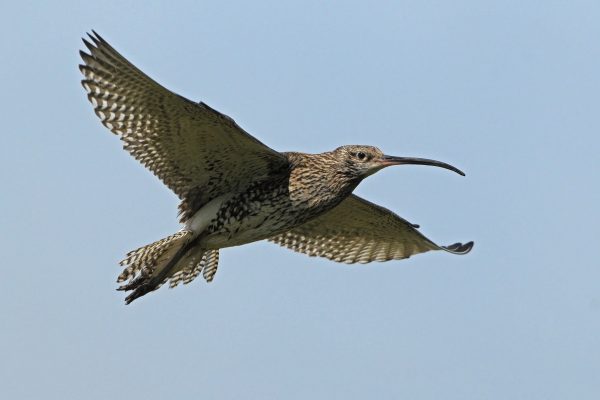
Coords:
pixel 361 155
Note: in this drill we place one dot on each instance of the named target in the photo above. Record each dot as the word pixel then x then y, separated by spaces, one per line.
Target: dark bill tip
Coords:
pixel 392 160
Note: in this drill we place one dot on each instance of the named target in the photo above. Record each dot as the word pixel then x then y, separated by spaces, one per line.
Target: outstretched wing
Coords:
pixel 196 151
pixel 359 231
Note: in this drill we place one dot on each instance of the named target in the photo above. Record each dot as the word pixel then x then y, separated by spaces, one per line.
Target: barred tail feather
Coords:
pixel 205 261
pixel 148 267
pixel 176 259
pixel 141 260
pixel 211 262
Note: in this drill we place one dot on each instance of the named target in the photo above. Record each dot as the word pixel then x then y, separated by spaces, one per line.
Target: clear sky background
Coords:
pixel 507 91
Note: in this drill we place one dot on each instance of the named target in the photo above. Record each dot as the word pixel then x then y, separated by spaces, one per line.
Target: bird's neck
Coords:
pixel 318 180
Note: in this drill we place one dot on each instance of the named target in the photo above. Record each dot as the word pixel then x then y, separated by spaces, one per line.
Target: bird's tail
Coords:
pixel 176 258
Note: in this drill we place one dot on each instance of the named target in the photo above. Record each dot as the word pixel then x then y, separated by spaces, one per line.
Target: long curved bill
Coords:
pixel 392 160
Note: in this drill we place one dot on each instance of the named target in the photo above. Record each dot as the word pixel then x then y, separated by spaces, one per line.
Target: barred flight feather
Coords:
pixel 185 144
pixel 358 231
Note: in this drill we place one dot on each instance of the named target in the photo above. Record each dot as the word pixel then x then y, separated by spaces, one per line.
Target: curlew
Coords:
pixel 235 190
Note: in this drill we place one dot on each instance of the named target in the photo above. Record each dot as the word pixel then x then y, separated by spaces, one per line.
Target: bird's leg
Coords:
pixel 145 284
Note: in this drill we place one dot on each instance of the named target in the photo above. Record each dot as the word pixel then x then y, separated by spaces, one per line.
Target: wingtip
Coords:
pixel 85 57
pixel 91 47
pixel 459 248
pixel 94 38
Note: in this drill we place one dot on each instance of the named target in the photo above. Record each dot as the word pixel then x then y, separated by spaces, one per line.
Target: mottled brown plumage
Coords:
pixel 234 189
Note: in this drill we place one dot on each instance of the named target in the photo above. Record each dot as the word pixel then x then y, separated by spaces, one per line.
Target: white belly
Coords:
pixel 204 216
pixel 261 220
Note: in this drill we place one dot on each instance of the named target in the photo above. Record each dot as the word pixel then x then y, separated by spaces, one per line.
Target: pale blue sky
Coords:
pixel 507 91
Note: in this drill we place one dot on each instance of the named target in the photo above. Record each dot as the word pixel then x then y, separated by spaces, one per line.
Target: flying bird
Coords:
pixel 235 190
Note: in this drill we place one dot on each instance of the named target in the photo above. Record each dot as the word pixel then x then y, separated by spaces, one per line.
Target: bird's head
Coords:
pixel 362 161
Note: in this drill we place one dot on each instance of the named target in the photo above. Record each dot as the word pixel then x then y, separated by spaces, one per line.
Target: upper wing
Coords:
pixel 359 231
pixel 196 151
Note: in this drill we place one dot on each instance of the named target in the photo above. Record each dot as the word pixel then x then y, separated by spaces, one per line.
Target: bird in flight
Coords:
pixel 235 190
